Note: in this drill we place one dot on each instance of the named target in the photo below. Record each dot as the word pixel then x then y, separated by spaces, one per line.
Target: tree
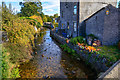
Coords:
pixel 30 8
pixel 48 18
pixel 44 19
pixel 56 15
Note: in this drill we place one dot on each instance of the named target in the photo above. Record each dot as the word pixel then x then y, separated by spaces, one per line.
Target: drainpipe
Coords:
pixel 77 18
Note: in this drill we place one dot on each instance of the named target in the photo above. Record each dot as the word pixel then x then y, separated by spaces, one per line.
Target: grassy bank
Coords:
pixel 111 53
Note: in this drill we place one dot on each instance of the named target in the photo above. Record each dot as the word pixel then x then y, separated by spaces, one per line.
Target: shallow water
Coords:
pixel 51 61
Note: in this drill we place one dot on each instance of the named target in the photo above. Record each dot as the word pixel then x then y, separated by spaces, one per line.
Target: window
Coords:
pixel 66 5
pixel 62 14
pixel 62 26
pixel 68 25
pixel 75 9
pixel 75 26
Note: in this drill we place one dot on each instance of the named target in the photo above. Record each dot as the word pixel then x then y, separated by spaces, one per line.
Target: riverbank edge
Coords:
pixel 96 64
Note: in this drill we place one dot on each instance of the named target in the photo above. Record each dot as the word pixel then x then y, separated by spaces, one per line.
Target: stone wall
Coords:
pixel 93 59
pixel 111 24
pixel 67 16
pixel 95 25
pixel 105 26
pixel 87 8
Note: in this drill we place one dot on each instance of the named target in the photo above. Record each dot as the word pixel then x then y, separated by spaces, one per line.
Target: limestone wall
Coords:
pixel 104 25
pixel 89 7
pixel 111 27
pixel 68 17
pixel 97 63
pixel 95 25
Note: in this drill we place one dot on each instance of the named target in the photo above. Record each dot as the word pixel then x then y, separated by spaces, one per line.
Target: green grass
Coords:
pixel 111 52
pixel 9 69
pixel 79 39
pixel 0 61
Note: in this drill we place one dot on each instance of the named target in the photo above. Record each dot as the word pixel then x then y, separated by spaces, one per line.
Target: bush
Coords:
pixel 76 40
pixel 67 49
pixel 56 25
pixel 21 35
pixel 38 19
pixel 9 69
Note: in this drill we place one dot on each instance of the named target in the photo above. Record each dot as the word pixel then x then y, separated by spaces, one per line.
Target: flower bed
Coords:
pixel 110 53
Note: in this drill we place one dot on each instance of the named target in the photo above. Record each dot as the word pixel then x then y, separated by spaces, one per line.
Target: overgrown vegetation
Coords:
pixel 9 69
pixel 77 40
pixel 18 49
pixel 67 49
pixel 111 52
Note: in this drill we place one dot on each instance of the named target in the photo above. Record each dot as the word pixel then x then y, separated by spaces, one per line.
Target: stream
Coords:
pixel 51 62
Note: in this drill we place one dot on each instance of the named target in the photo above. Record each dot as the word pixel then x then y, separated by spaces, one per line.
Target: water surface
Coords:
pixel 51 61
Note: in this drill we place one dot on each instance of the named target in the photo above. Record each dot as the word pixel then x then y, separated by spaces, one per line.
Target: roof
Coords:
pixel 109 5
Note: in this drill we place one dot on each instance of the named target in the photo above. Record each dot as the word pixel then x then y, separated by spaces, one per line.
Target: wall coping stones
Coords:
pixel 112 72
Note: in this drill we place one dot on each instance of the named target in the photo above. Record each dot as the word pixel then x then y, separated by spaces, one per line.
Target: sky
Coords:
pixel 50 7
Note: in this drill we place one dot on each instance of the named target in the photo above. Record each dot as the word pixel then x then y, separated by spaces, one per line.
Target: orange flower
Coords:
pixel 98 49
pixel 90 48
pixel 79 44
pixel 67 41
pixel 82 44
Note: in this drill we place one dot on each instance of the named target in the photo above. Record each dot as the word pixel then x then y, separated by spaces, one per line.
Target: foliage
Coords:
pixel 21 36
pixel 38 18
pixel 67 49
pixel 48 18
pixel 53 22
pixel 8 69
pixel 30 8
pixel 44 19
pixel 77 40
pixel 111 52
pixel 56 15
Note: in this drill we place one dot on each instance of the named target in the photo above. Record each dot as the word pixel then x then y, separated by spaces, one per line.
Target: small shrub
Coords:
pixel 77 40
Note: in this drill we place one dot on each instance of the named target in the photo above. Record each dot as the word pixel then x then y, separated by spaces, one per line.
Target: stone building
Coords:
pixel 73 12
pixel 104 24
pixel 75 18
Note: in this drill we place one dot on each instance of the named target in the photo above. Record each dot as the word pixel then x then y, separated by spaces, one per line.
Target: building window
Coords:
pixel 75 26
pixel 68 25
pixel 62 26
pixel 66 5
pixel 75 9
pixel 62 14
